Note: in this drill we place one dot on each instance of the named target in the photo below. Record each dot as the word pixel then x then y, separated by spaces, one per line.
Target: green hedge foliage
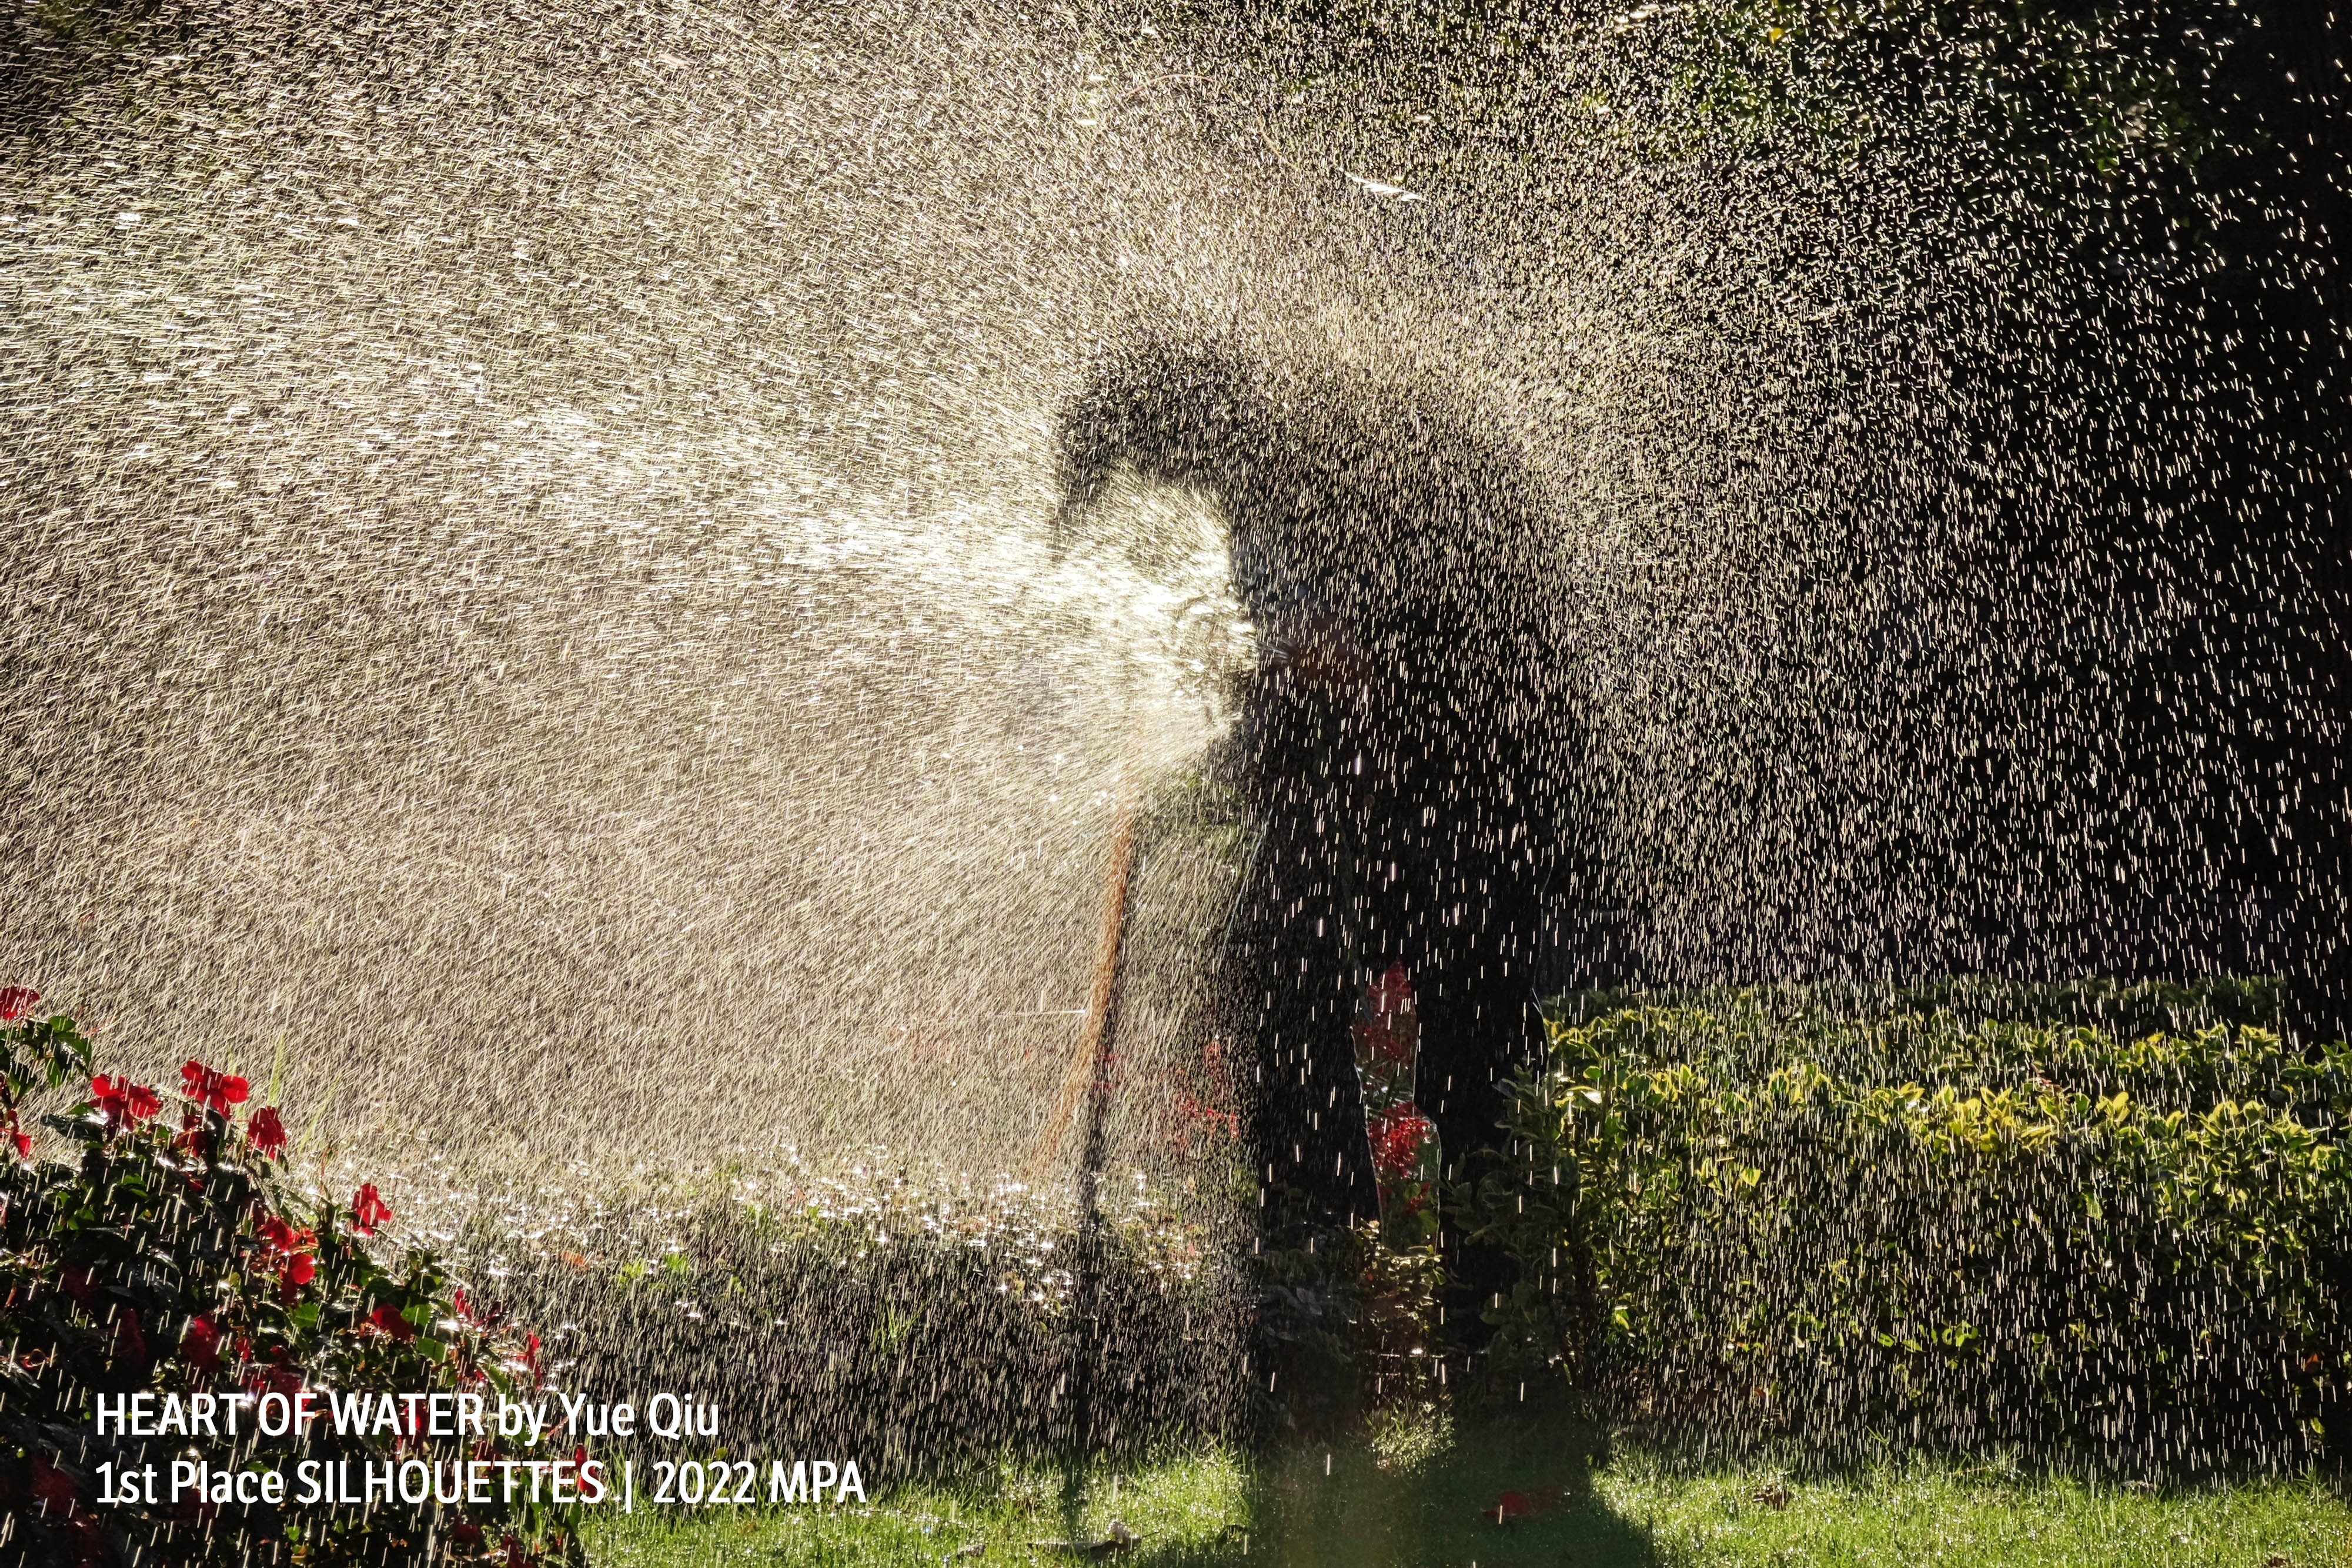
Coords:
pixel 1783 1215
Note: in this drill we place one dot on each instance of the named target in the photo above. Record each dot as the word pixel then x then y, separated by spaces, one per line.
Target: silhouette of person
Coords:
pixel 1399 745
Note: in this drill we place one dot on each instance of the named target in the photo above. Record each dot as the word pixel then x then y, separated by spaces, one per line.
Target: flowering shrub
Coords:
pixel 1400 1138
pixel 175 1255
pixel 1404 1149
pixel 1204 1119
pixel 1925 1227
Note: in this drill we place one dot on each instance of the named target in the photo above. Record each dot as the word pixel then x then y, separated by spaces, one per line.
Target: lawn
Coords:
pixel 1417 1497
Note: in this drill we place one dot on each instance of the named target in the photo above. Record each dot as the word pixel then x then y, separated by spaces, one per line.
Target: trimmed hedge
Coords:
pixel 1768 1218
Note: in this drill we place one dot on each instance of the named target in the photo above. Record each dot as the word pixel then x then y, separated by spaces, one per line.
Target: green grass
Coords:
pixel 1927 1514
pixel 1416 1498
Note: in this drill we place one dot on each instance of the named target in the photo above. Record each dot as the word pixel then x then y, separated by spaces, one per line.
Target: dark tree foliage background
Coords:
pixel 2095 250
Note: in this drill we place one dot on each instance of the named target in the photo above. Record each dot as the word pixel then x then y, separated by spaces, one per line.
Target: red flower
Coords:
pixel 279 1236
pixel 267 1133
pixel 1397 1136
pixel 130 1337
pixel 1197 1117
pixel 16 1001
pixel 1386 1036
pixel 530 1357
pixel 196 1139
pixel 275 1379
pixel 466 1533
pixel 480 1317
pixel 82 1284
pixel 119 1099
pixel 391 1323
pixel 52 1488
pixel 95 1550
pixel 200 1347
pixel 1393 992
pixel 19 1137
pixel 369 1210
pixel 290 1249
pixel 215 1090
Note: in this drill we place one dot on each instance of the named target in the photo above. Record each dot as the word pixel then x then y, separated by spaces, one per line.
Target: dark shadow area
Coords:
pixel 1501 1496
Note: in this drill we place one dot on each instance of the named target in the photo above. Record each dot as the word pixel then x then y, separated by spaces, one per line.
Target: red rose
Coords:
pixel 217 1090
pixel 16 1001
pixel 267 1132
pixel 369 1210
pixel 201 1345
pixel 82 1284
